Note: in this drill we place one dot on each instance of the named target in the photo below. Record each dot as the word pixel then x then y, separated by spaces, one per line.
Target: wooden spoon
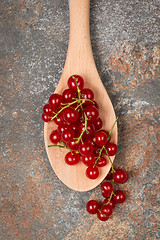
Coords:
pixel 80 61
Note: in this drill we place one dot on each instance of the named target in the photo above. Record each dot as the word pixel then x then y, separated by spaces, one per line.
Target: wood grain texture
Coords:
pixel 80 61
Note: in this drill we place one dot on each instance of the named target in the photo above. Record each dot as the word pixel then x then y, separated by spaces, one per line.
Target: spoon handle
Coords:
pixel 79 53
pixel 79 23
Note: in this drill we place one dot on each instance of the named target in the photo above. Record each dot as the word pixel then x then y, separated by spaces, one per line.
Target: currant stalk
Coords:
pixel 113 170
pixel 68 105
pixel 85 130
pixel 97 158
pixel 109 199
pixel 78 90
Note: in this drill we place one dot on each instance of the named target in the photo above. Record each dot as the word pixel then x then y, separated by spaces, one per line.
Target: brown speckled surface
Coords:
pixel 34 203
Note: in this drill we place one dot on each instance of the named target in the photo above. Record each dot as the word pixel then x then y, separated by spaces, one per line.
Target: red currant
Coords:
pixel 55 101
pixel 55 137
pixel 120 176
pixel 45 118
pixel 101 162
pixel 101 216
pixel 91 112
pixel 92 206
pixel 61 128
pixel 88 160
pixel 92 172
pixel 68 95
pixel 96 104
pixel 72 83
pixel 100 138
pixel 111 148
pixel 72 158
pixel 59 119
pixel 75 127
pixel 107 210
pixel 93 103
pixel 119 197
pixel 87 94
pixel 112 203
pixel 70 115
pixel 104 130
pixel 67 135
pixel 90 140
pixel 48 110
pixel 85 148
pixel 98 123
pixel 73 145
pixel 96 151
pixel 109 176
pixel 106 188
pixel 90 129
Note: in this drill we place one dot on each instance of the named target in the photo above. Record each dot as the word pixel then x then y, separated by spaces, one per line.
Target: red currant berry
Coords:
pixel 55 137
pixel 92 206
pixel 72 158
pixel 112 203
pixel 72 83
pixel 106 188
pixel 101 162
pixel 73 145
pixel 111 148
pixel 96 104
pixel 88 160
pixel 105 194
pixel 70 115
pixel 93 103
pixel 55 101
pixel 119 197
pixel 75 127
pixel 90 129
pixel 98 123
pixel 107 210
pixel 68 96
pixel 120 176
pixel 90 140
pixel 67 135
pixel 100 138
pixel 45 118
pixel 48 110
pixel 109 176
pixel 87 93
pixel 92 172
pixel 101 216
pixel 85 149
pixel 59 119
pixel 61 128
pixel 104 130
pixel 91 112
pixel 97 151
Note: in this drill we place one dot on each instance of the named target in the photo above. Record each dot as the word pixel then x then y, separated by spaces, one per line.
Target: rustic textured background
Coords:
pixel 34 203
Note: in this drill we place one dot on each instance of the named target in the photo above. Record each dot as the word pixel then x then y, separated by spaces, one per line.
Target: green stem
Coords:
pixel 85 129
pixel 109 135
pixel 109 160
pixel 79 105
pixel 112 193
pixel 97 158
pixel 68 105
pixel 78 90
pixel 56 145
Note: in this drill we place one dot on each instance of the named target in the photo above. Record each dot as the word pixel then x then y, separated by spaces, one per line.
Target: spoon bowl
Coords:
pixel 80 61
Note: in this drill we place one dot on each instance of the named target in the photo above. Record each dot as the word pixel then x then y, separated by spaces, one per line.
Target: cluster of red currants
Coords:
pixel 105 210
pixel 79 127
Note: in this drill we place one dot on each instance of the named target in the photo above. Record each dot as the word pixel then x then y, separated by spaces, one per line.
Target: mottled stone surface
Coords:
pixel 34 203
